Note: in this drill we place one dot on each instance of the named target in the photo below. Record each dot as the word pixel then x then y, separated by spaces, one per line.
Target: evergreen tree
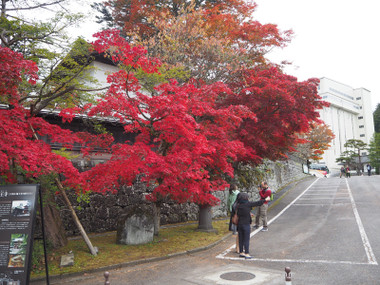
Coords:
pixel 376 118
pixel 374 151
pixel 353 155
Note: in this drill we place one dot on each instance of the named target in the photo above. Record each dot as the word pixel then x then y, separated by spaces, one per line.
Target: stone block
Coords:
pixel 136 226
pixel 67 260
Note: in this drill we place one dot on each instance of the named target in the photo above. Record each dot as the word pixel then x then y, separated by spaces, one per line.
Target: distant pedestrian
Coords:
pixel 244 208
pixel 261 214
pixel 232 196
pixel 348 173
pixel 369 168
pixel 342 172
pixel 230 203
pixel 233 227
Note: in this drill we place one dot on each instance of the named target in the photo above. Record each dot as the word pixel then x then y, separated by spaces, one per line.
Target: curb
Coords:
pixel 130 263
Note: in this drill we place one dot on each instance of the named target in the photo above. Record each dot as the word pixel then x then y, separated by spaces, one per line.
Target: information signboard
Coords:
pixel 17 218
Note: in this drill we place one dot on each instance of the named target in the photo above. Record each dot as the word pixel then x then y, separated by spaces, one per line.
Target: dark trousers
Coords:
pixel 244 236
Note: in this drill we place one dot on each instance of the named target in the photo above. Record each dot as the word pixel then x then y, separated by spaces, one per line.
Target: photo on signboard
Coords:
pixel 18 244
pixel 17 250
pixel 21 208
pixel 16 260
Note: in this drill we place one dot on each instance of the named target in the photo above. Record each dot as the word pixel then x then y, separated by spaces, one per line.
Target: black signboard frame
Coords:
pixel 18 206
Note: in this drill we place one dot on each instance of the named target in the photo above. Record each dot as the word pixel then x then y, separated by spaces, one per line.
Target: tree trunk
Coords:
pixel 205 219
pixel 54 229
pixel 157 217
pixel 75 218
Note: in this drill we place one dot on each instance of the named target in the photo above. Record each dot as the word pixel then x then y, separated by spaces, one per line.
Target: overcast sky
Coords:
pixel 337 39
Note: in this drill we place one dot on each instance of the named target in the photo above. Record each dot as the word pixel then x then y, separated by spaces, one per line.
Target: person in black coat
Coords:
pixel 244 208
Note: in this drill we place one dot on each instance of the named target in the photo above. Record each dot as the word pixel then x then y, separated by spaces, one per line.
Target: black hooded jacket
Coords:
pixel 244 210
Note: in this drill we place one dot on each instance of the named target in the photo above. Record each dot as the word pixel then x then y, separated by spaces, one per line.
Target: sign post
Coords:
pixel 17 219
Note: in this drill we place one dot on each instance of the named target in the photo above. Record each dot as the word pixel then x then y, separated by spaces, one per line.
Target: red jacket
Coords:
pixel 265 193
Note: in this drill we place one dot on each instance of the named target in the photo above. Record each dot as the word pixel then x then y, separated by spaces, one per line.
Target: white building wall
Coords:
pixel 101 71
pixel 349 116
pixel 365 123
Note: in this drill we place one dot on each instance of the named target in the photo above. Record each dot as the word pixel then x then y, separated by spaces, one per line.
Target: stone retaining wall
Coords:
pixel 100 213
pixel 278 175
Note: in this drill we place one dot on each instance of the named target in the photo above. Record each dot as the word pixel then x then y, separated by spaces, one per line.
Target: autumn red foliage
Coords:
pixel 21 147
pixel 188 136
pixel 185 143
pixel 315 141
pixel 129 15
pixel 283 107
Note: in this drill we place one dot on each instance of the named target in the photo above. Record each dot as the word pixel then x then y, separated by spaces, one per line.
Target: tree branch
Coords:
pixel 43 5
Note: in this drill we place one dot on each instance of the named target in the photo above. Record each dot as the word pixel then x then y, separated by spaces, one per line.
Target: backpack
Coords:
pixel 272 195
pixel 235 219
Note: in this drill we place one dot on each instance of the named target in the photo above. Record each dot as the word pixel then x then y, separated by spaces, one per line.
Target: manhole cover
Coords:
pixel 237 276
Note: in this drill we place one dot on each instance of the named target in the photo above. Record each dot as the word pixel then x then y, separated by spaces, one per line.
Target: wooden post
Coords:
pixel 75 218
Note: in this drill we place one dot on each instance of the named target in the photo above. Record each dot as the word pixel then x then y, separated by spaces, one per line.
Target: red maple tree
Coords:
pixel 190 136
pixel 185 142
pixel 283 107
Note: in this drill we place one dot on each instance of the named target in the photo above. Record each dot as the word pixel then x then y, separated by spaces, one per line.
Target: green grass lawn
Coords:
pixel 179 238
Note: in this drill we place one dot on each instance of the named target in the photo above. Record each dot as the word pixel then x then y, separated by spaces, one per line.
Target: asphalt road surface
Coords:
pixel 327 234
pixel 325 229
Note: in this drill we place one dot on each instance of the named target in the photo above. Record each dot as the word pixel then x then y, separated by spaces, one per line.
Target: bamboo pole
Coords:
pixel 75 218
pixel 72 211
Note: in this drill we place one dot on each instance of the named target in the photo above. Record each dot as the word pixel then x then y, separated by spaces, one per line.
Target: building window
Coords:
pixel 360 117
pixel 364 153
pixel 361 126
pixel 358 98
pixel 341 93
pixel 362 135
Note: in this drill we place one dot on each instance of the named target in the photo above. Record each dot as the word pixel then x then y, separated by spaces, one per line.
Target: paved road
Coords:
pixel 326 230
pixel 327 234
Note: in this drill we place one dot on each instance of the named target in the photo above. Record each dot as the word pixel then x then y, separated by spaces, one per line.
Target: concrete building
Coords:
pixel 349 116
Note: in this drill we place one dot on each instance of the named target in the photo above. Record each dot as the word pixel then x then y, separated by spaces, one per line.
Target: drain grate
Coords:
pixel 237 276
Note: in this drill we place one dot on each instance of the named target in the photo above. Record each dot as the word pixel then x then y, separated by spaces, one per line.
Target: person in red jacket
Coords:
pixel 264 192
